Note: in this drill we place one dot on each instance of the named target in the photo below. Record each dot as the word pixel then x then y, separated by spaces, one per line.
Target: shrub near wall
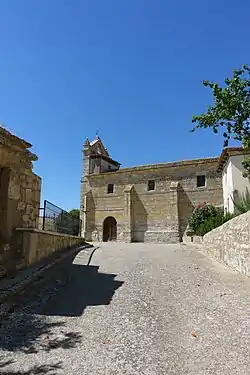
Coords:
pixel 242 204
pixel 206 217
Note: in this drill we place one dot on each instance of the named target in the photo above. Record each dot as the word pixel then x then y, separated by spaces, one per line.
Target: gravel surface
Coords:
pixel 135 309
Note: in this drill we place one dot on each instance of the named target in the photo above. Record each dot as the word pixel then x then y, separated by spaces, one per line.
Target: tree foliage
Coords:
pixel 75 212
pixel 207 217
pixel 69 222
pixel 230 111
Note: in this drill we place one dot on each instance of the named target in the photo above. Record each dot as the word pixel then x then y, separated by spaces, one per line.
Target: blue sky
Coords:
pixel 131 68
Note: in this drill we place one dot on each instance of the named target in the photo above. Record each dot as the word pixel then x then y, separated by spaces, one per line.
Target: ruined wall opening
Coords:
pixel 109 229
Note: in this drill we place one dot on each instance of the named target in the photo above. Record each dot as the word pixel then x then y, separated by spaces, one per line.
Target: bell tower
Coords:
pixel 95 160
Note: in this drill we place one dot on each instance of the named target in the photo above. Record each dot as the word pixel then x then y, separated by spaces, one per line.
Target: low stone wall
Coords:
pixel 229 243
pixel 192 239
pixel 37 244
pixel 164 236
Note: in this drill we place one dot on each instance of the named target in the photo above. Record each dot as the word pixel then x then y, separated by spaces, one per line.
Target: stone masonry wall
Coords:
pixel 36 244
pixel 24 200
pixel 230 243
pixel 156 216
pixel 21 243
pixel 190 195
pixel 19 208
pixel 19 197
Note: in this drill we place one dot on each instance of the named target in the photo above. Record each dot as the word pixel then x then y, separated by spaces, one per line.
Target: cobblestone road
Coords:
pixel 136 309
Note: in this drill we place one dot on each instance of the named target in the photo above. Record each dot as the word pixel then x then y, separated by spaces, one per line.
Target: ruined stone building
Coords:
pixel 22 243
pixel 19 197
pixel 149 203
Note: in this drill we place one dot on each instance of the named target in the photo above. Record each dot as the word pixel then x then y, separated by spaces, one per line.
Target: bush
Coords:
pixel 206 218
pixel 242 204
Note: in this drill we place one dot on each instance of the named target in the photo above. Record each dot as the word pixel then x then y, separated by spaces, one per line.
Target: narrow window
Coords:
pixel 201 181
pixel 151 185
pixel 110 188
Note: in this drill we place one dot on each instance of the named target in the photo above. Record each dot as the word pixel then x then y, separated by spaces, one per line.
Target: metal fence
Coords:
pixel 55 219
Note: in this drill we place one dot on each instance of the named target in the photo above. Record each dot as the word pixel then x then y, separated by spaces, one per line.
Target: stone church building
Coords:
pixel 148 203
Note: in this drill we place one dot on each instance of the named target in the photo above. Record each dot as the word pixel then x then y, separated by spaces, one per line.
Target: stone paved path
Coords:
pixel 136 309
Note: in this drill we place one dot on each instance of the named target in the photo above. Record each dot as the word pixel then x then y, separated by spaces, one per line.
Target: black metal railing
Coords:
pixel 55 219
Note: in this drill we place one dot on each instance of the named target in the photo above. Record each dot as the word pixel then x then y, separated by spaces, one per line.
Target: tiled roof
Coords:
pixel 229 151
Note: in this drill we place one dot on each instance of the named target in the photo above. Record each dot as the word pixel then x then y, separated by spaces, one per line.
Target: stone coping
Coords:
pixel 40 231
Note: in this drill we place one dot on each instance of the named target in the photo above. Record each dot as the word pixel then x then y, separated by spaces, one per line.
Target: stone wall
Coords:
pixel 36 244
pixel 19 196
pixel 230 243
pixel 189 238
pixel 160 215
pixel 24 199
pixel 19 202
pixel 19 207
pixel 21 242
pixel 48 223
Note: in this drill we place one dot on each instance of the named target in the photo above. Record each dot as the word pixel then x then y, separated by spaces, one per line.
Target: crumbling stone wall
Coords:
pixel 19 208
pixel 19 196
pixel 24 200
pixel 21 243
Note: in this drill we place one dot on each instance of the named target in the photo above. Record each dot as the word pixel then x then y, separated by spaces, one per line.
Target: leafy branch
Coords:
pixel 230 111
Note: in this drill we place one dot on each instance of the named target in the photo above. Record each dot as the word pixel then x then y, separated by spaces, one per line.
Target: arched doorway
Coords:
pixel 109 229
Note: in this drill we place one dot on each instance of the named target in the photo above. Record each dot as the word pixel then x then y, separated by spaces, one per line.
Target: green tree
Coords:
pixel 75 212
pixel 75 215
pixel 230 110
pixel 69 222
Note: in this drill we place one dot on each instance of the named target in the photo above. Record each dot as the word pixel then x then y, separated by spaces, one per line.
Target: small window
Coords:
pixel 110 188
pixel 151 185
pixel 201 181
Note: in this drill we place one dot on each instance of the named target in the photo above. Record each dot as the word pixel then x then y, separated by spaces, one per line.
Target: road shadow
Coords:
pixel 30 334
pixel 35 370
pixel 65 291
pixel 87 287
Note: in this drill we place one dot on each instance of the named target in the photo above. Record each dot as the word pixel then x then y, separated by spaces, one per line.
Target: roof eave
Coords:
pixel 107 158
pixel 230 151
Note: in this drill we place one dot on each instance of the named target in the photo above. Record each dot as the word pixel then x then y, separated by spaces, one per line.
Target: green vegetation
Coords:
pixel 230 111
pixel 69 222
pixel 206 217
pixel 242 204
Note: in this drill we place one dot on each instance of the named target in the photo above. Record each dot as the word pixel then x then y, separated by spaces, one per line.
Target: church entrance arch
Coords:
pixel 109 229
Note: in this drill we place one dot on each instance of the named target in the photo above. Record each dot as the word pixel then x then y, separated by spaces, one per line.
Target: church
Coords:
pixel 148 203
